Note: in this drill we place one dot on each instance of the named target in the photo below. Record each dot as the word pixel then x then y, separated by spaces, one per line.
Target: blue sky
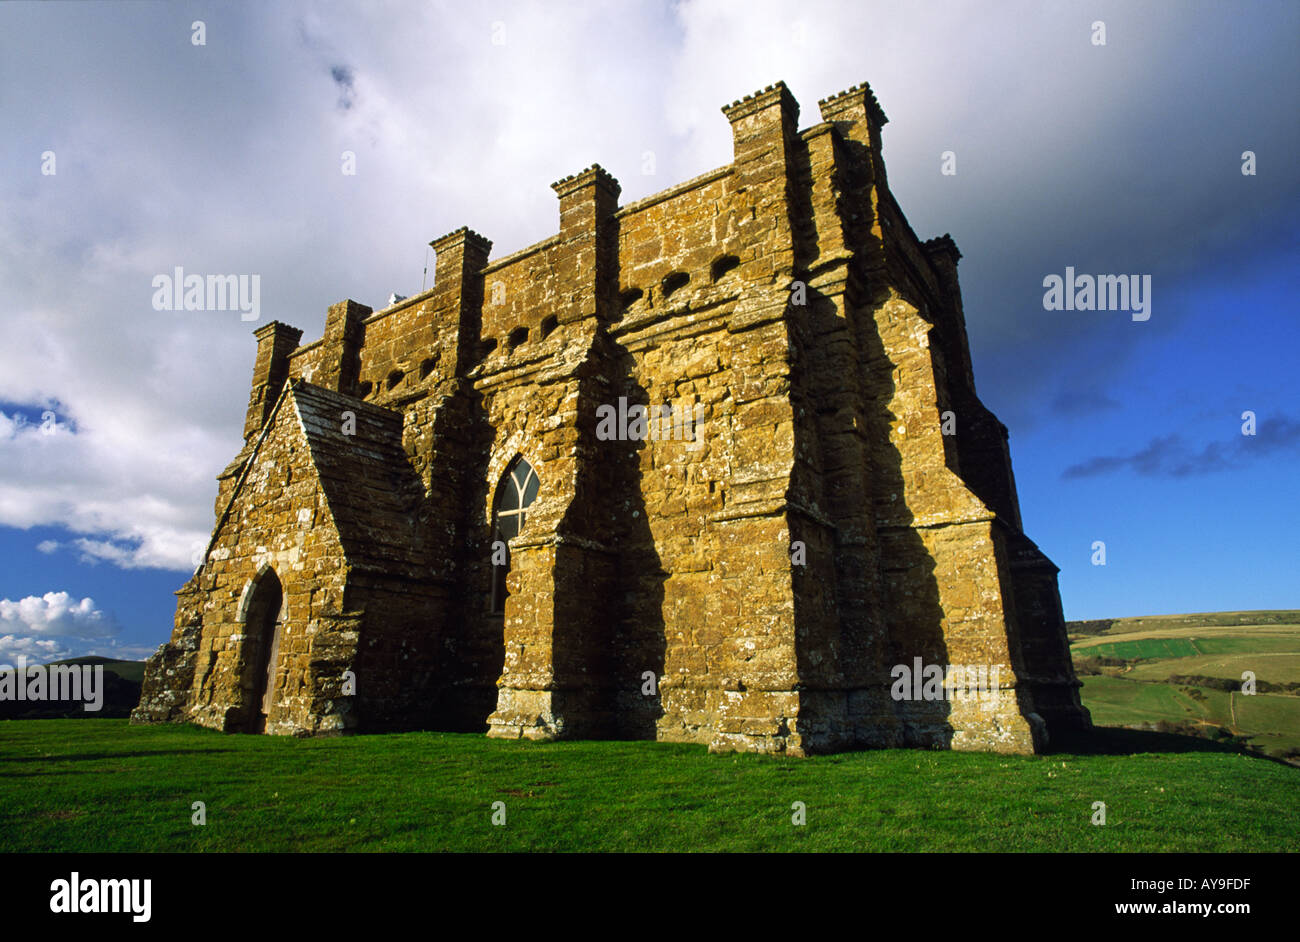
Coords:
pixel 225 158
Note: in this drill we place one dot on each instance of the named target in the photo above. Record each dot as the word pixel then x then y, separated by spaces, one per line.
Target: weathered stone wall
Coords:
pixel 279 518
pixel 1048 669
pixel 561 617
pixel 377 503
pixel 705 274
pixel 169 672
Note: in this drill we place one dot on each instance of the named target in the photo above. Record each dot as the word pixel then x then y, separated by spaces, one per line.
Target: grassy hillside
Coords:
pixel 127 670
pixel 101 785
pixel 1284 617
pixel 121 692
pixel 1184 673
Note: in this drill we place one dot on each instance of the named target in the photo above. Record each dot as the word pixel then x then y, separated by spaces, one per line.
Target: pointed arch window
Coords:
pixel 517 490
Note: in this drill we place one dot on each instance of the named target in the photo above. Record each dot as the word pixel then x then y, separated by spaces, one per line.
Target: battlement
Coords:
pixel 661 256
pixel 859 95
pixel 462 236
pixel 593 175
pixel 942 245
pixel 775 94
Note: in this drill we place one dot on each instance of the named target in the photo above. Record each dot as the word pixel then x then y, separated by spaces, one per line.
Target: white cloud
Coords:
pixel 44 650
pixel 114 477
pixel 36 651
pixel 55 615
pixel 161 550
pixel 117 651
pixel 55 626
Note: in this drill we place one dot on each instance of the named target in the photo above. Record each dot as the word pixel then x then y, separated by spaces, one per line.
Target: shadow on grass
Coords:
pixel 1121 741
pixel 94 756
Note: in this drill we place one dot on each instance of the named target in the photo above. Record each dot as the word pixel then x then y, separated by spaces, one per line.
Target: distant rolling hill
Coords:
pixel 127 670
pixel 1184 673
pixel 1197 620
pixel 122 681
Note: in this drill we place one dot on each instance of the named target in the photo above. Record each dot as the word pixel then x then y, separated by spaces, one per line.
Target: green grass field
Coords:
pixel 1286 618
pixel 101 785
pixel 1219 645
pixel 1180 647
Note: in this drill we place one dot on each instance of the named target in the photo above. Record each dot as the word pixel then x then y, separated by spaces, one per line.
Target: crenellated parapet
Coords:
pixel 340 357
pixel 275 344
pixel 848 104
pixel 859 118
pixel 460 257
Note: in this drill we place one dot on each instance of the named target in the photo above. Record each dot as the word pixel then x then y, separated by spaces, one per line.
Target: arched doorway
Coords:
pixel 262 628
pixel 515 492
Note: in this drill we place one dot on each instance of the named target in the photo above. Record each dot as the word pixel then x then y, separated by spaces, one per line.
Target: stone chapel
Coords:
pixel 706 467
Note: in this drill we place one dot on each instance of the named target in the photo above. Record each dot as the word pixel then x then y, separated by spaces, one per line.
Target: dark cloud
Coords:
pixel 1276 435
pixel 1170 456
pixel 345 80
pixel 1082 402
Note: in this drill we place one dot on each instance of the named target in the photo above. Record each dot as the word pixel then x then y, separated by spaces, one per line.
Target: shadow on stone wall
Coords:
pixel 911 605
pixel 838 594
pixel 640 640
pixel 472 648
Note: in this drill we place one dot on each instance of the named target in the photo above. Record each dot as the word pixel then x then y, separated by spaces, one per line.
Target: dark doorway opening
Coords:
pixel 262 629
